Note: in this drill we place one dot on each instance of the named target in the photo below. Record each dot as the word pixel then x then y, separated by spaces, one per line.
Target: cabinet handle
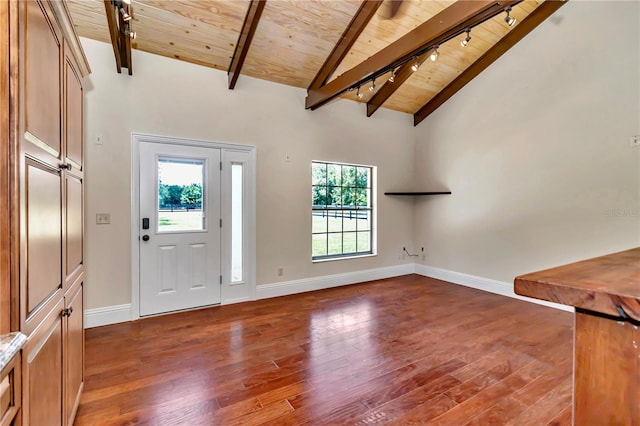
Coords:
pixel 67 166
pixel 67 312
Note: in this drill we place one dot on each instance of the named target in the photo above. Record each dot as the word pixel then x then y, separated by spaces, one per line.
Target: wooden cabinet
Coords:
pixel 74 352
pixel 42 240
pixel 42 395
pixel 73 96
pixel 44 156
pixel 10 390
pixel 54 363
pixel 40 81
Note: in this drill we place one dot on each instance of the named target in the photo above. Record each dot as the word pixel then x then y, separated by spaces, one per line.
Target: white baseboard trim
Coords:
pixel 285 288
pixel 107 315
pixel 122 313
pixel 485 284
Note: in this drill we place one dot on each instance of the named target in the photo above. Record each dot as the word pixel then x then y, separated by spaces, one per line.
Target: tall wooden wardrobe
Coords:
pixel 41 216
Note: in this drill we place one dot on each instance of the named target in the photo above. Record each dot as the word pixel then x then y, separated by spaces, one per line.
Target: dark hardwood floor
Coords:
pixel 407 350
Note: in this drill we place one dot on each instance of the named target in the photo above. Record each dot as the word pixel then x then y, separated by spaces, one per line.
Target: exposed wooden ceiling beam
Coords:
pixel 119 33
pixel 113 32
pixel 388 88
pixel 365 12
pixel 244 40
pixel 451 21
pixel 527 25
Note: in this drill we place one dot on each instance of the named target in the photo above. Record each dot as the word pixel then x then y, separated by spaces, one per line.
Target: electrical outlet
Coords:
pixel 103 218
pixel 635 141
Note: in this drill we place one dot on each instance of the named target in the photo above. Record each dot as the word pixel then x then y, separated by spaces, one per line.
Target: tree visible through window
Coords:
pixel 341 210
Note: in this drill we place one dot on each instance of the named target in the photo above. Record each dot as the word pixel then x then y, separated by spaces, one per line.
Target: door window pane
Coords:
pixel 236 222
pixel 180 199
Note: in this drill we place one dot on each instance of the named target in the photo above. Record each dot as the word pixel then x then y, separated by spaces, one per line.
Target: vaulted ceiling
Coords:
pixel 294 39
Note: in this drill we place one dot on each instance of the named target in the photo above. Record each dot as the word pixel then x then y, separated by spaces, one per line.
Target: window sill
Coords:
pixel 331 259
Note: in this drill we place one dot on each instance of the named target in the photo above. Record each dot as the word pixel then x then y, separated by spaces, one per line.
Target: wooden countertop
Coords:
pixel 10 345
pixel 600 284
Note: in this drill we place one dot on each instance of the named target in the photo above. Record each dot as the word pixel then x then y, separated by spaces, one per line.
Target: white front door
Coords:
pixel 179 227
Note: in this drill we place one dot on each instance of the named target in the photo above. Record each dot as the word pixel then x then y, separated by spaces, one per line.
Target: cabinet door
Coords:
pixel 43 238
pixel 73 113
pixel 73 229
pixel 41 82
pixel 42 372
pixel 73 352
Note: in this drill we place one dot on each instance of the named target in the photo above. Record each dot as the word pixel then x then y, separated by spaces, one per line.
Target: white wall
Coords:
pixel 174 98
pixel 536 151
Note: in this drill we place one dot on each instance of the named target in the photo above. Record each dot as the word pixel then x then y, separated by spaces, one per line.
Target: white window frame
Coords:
pixel 372 209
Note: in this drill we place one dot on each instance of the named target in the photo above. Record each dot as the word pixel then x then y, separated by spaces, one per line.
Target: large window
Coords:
pixel 342 210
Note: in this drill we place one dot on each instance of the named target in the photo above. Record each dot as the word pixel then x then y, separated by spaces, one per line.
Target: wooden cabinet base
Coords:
pixel 607 371
pixel 606 294
pixel 10 390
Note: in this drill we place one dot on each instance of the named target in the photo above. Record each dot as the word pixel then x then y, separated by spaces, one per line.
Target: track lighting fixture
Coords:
pixel 125 16
pixel 509 19
pixel 131 34
pixel 434 55
pixel 419 56
pixel 415 65
pixel 466 41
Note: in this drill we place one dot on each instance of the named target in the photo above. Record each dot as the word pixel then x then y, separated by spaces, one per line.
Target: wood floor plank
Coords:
pixel 399 408
pixel 393 351
pixel 547 408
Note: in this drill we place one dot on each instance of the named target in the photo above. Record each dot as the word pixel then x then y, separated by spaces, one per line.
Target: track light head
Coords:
pixel 131 34
pixel 125 16
pixel 126 1
pixel 415 65
pixel 358 94
pixel 372 88
pixel 434 55
pixel 393 76
pixel 510 20
pixel 466 41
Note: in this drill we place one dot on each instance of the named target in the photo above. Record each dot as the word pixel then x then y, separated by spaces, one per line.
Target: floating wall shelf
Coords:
pixel 418 193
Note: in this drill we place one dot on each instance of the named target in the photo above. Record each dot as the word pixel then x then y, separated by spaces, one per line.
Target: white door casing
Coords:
pixel 179 268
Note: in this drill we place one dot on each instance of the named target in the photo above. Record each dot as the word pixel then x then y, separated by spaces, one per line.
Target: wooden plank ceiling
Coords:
pixel 293 39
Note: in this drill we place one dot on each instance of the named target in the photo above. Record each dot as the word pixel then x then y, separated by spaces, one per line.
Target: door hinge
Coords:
pixel 220 222
pixel 220 279
pixel 221 165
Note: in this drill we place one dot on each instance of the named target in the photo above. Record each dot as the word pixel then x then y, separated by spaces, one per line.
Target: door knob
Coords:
pixel 145 238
